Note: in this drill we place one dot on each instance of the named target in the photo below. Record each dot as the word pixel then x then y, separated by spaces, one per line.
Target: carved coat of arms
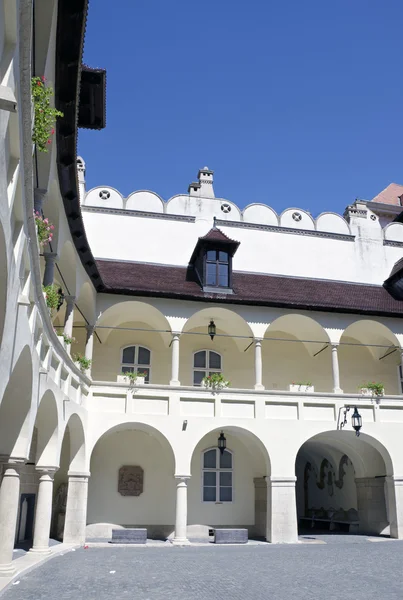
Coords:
pixel 130 481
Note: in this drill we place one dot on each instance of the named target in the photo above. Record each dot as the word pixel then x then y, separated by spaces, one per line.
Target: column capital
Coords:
pixel 79 474
pixel 176 335
pixel 334 345
pixel 69 299
pixel 90 328
pixel 50 256
pixel 258 340
pixel 12 461
pixel 282 481
pixel 46 470
pixel 182 477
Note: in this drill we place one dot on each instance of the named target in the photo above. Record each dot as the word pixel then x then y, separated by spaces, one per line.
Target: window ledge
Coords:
pixel 217 290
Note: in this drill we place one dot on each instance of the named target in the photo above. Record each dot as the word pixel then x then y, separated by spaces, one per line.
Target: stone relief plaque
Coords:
pixel 130 482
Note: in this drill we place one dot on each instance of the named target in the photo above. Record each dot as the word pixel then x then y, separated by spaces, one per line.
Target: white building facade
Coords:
pixel 291 311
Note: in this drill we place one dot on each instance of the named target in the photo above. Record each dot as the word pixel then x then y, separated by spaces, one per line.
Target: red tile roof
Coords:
pixel 217 235
pixel 390 195
pixel 141 279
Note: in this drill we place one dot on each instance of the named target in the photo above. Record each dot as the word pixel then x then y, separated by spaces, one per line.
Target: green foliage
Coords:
pixel 67 339
pixel 84 362
pixel 52 295
pixel 132 376
pixel 302 383
pixel 377 389
pixel 45 115
pixel 44 229
pixel 215 381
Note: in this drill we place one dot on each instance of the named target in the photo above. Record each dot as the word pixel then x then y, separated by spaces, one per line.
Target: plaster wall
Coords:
pixel 156 505
pixel 365 260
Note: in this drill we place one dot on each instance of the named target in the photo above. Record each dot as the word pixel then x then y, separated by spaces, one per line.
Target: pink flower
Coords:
pixel 52 132
pixel 49 141
pixel 52 226
pixel 43 78
pixel 46 220
pixel 38 83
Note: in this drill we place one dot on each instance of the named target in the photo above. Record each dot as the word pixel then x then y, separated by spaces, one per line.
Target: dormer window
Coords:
pixel 217 268
pixel 211 262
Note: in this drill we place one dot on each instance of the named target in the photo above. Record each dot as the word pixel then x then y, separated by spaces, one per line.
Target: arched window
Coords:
pixel 217 475
pixel 136 359
pixel 205 362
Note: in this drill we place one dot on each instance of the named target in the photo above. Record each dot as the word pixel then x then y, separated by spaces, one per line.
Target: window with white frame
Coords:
pixel 136 359
pixel 205 362
pixel 217 475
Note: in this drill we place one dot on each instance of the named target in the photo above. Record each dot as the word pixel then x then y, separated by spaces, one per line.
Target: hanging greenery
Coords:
pixel 52 295
pixel 44 229
pixel 45 115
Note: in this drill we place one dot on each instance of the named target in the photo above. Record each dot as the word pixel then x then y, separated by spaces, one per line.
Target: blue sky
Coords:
pixel 292 103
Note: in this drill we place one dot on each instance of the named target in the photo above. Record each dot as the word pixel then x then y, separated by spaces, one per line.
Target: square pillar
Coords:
pixel 371 504
pixel 76 508
pixel 281 510
pixel 395 503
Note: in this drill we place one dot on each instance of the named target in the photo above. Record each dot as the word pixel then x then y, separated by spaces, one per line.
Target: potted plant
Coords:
pixel 133 378
pixel 44 114
pixel 302 386
pixel 52 296
pixel 44 229
pixel 82 362
pixel 372 388
pixel 215 381
pixel 67 339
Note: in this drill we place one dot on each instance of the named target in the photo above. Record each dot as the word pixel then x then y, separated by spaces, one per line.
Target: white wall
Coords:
pixel 156 505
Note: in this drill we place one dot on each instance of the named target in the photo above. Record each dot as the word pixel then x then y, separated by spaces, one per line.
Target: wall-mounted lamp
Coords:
pixel 212 330
pixel 356 420
pixel 222 442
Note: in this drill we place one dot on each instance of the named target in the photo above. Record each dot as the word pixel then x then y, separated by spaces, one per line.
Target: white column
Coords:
pixel 281 510
pixel 76 508
pixel 9 504
pixel 48 276
pixel 175 360
pixel 258 365
pixel 69 318
pixel 89 346
pixel 395 501
pixel 181 511
pixel 43 513
pixel 335 369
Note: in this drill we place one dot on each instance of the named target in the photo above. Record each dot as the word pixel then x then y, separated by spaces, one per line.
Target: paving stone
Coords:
pixel 355 570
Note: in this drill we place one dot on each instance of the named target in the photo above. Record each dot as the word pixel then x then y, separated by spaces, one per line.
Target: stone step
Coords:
pixel 129 536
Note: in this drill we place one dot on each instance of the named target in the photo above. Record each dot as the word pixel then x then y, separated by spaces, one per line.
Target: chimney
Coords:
pixel 204 186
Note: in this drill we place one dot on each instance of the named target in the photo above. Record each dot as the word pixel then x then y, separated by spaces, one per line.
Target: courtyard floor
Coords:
pixel 331 567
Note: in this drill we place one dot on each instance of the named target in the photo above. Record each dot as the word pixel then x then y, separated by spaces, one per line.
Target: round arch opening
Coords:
pixel 228 491
pixel 342 486
pixel 132 482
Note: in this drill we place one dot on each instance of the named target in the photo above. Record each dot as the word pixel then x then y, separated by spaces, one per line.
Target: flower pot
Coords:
pixel 368 392
pixel 296 387
pixel 124 379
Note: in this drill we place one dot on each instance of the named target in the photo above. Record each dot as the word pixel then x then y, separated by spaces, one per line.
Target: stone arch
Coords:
pixel 341 482
pixel 295 349
pixel 47 431
pixel 15 408
pixel 371 347
pixel 332 222
pixel 237 365
pixel 3 280
pixel 249 467
pixel 104 197
pixel 145 200
pixel 110 501
pixel 296 218
pixel 261 214
pixel 74 429
pixel 141 324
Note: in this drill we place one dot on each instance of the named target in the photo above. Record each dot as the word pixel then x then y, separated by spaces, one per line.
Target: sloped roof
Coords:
pixel 217 235
pixel 155 280
pixel 390 195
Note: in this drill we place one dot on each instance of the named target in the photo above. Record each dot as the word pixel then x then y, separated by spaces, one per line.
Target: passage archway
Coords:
pixel 341 484
pixel 228 490
pixel 132 482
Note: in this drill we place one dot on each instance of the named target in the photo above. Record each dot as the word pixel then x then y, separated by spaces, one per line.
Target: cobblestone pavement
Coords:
pixel 312 571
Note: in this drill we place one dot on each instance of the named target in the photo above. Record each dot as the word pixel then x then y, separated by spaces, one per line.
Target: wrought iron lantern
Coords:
pixel 356 419
pixel 212 330
pixel 222 442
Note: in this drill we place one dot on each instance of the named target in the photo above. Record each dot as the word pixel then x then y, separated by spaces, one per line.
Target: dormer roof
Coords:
pixel 215 238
